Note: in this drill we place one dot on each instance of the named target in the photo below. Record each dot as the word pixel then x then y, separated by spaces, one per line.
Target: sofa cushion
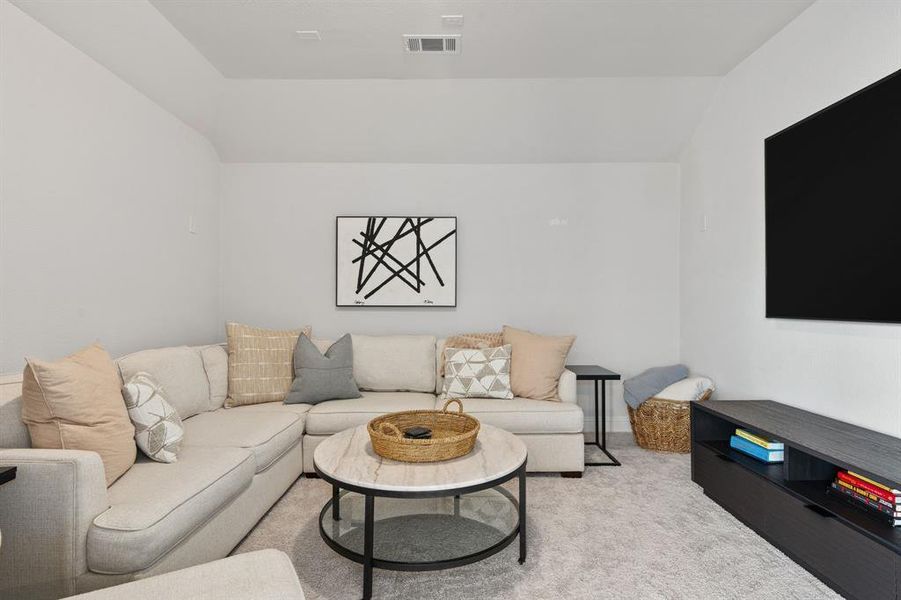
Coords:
pixel 388 363
pixel 260 363
pixel 523 415
pixel 179 371
pixel 268 435
pixel 333 416
pixel 215 363
pixel 294 409
pixel 75 403
pixel 261 575
pixel 154 506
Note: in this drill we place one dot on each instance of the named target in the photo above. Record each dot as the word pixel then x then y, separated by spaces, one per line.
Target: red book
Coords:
pixel 885 495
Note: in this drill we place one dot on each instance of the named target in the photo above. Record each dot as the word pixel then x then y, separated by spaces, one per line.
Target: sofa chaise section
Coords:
pixel 154 506
pixel 65 532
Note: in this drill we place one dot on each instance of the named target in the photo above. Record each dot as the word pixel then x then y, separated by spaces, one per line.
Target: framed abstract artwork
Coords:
pixel 396 261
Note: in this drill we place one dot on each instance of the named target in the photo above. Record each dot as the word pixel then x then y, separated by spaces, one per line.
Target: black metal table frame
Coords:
pixel 369 562
pixel 600 430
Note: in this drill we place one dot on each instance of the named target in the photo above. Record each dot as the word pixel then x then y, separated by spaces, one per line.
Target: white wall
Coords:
pixel 847 371
pixel 97 184
pixel 137 43
pixel 609 275
pixel 488 121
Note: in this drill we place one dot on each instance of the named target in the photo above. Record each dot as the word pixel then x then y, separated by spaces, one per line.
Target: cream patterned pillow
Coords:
pixel 477 372
pixel 260 363
pixel 158 428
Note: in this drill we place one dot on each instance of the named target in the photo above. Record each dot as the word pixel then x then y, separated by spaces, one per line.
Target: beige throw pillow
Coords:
pixel 537 362
pixel 76 404
pixel 260 363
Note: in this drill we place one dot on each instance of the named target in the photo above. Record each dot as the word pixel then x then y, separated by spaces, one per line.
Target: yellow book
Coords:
pixel 876 483
pixel 756 439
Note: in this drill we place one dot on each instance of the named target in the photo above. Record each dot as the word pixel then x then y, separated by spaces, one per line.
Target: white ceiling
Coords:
pixel 256 39
pixel 477 107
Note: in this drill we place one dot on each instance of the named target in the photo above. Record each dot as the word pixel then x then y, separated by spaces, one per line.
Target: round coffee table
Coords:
pixel 428 516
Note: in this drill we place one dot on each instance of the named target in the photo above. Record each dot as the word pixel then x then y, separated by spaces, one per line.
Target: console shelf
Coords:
pixel 849 549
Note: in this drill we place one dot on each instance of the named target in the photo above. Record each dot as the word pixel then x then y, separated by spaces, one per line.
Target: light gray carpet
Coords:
pixel 643 530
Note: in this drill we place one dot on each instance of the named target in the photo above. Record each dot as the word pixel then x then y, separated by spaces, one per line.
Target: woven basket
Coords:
pixel 663 425
pixel 453 434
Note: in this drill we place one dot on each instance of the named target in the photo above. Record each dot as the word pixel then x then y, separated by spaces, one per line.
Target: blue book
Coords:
pixel 755 451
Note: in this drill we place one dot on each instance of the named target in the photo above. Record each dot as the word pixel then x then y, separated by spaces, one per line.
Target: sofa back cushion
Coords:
pixel 13 432
pixel 388 363
pixel 178 370
pixel 215 363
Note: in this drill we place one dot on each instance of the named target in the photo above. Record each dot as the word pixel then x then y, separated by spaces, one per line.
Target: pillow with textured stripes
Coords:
pixel 260 363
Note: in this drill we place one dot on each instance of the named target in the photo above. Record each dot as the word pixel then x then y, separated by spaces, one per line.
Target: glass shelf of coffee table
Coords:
pixel 423 533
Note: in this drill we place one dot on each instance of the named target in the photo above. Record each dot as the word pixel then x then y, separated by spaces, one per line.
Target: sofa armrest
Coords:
pixel 566 387
pixel 47 511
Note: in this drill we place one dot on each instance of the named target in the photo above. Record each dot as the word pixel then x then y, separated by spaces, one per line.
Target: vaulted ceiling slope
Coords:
pixel 536 80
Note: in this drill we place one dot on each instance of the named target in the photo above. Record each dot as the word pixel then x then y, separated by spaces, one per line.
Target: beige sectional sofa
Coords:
pixel 65 532
pixel 260 575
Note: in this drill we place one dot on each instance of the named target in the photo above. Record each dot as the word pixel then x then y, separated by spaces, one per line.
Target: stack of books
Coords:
pixel 758 447
pixel 878 499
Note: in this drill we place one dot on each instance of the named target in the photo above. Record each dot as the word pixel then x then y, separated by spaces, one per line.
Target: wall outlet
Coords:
pixel 192 225
pixel 705 223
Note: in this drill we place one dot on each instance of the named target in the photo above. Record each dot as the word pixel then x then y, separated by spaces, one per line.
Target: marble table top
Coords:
pixel 348 457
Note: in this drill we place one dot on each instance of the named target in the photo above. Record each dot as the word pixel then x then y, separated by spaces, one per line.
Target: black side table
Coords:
pixel 598 373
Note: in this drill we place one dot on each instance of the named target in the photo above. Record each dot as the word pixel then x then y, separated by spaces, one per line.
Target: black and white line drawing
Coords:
pixel 396 261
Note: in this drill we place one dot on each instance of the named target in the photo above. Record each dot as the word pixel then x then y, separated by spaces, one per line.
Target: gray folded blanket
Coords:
pixel 645 385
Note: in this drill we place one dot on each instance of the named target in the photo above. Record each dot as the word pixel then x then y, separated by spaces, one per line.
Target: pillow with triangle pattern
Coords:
pixel 477 372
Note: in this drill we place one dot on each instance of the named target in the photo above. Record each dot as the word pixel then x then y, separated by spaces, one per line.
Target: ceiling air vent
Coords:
pixel 432 44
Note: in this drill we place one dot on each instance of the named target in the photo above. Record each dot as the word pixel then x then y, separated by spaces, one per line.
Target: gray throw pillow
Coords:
pixel 319 377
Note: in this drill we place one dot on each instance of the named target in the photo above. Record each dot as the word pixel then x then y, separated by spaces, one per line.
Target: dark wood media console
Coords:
pixel 853 552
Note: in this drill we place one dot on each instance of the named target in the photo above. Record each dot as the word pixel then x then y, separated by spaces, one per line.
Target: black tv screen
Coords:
pixel 833 211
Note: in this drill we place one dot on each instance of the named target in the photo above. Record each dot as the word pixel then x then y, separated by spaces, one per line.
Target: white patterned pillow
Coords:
pixel 477 372
pixel 158 428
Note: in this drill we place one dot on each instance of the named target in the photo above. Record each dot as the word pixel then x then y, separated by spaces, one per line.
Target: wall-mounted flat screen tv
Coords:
pixel 833 211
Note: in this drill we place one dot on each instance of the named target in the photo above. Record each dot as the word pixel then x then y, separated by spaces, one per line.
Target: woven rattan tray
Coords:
pixel 453 434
